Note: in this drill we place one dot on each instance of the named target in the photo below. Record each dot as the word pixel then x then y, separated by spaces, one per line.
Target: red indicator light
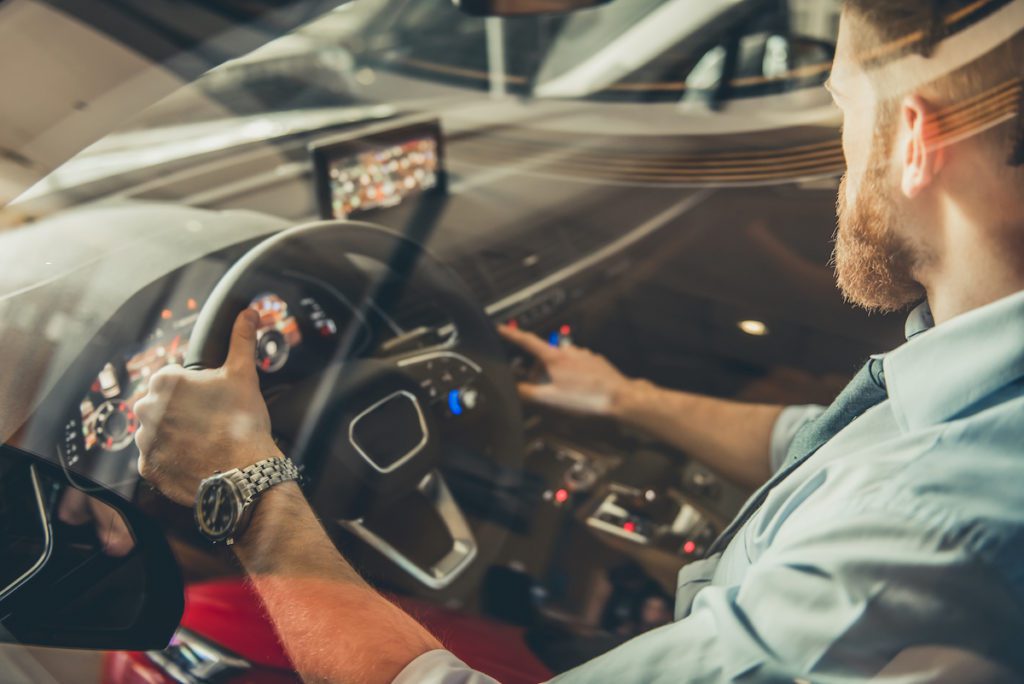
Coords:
pixel 192 304
pixel 561 496
pixel 565 330
pixel 513 323
pixel 629 526
pixel 689 547
pixel 166 314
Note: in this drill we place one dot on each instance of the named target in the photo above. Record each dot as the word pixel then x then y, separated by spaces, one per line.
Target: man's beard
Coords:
pixel 874 265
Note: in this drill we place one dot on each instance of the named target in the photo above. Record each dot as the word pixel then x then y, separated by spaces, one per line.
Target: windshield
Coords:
pixel 699 67
pixel 693 324
pixel 628 51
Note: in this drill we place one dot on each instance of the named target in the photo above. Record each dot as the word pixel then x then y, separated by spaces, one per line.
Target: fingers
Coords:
pixel 242 351
pixel 111 529
pixel 529 391
pixel 143 440
pixel 545 394
pixel 78 508
pixel 528 342
pixel 583 403
pixel 151 407
pixel 73 508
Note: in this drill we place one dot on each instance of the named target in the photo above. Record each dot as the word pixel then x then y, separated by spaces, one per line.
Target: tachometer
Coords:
pixel 104 422
pixel 278 332
pixel 115 425
pixel 107 421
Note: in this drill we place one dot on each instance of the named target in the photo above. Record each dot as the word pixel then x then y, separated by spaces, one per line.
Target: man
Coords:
pixel 888 541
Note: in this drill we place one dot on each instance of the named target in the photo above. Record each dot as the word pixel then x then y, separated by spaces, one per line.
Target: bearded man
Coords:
pixel 886 538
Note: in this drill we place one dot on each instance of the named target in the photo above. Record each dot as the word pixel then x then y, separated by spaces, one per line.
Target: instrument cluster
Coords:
pixel 99 433
pixel 297 334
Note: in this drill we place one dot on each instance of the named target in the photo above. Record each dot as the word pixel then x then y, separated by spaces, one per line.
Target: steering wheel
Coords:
pixel 372 432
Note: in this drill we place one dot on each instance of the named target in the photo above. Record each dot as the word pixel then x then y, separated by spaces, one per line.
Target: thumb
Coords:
pixel 242 350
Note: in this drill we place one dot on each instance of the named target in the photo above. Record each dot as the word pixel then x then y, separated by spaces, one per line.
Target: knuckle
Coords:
pixel 163 380
pixel 143 406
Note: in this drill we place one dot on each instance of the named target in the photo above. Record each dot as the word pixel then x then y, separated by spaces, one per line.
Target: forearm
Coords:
pixel 334 626
pixel 732 437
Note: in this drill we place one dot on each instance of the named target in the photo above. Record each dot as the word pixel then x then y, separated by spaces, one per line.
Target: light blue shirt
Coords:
pixel 895 553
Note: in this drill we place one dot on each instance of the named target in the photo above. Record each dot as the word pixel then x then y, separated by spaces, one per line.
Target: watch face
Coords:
pixel 217 508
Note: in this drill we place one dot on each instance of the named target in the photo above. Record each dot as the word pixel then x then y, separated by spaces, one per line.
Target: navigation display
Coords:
pixel 380 168
pixel 382 178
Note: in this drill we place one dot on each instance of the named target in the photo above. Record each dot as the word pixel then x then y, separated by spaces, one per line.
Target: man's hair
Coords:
pixel 971 97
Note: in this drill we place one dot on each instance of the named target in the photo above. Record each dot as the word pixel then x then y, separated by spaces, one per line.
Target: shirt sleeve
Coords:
pixel 847 597
pixel 440 667
pixel 787 425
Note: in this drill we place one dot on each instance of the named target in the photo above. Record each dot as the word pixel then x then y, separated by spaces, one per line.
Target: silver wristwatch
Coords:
pixel 225 501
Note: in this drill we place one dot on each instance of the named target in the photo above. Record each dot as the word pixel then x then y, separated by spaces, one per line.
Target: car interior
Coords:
pixel 385 182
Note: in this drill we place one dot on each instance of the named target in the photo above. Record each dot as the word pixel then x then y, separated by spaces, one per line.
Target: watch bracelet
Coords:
pixel 262 475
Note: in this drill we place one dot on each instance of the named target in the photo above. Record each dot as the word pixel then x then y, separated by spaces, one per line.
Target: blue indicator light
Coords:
pixel 555 339
pixel 453 403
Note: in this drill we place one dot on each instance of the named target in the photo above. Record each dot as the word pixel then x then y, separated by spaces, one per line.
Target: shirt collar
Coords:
pixel 944 369
pixel 919 321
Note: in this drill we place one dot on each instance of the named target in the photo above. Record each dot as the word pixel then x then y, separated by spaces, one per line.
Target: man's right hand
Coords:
pixel 581 381
pixel 198 422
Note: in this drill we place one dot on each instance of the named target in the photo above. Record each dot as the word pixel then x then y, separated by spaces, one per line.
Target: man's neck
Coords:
pixel 976 235
pixel 974 275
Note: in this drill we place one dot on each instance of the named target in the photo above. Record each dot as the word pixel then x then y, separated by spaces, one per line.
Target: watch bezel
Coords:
pixel 238 513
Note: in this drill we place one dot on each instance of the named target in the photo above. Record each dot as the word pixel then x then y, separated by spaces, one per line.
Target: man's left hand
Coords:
pixel 197 423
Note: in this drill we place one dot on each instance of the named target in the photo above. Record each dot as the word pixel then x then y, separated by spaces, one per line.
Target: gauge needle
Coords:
pixel 216 505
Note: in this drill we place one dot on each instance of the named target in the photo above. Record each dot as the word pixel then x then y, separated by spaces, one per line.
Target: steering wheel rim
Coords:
pixel 349 390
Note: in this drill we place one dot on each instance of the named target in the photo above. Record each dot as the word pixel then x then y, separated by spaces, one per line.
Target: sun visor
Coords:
pixel 73 71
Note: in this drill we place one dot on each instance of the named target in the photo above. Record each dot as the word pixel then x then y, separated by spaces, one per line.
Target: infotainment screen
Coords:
pixel 377 168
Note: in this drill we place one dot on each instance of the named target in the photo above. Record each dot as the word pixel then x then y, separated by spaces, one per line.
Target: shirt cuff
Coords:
pixel 787 425
pixel 440 667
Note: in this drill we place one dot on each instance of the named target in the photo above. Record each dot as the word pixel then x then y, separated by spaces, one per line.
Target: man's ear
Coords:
pixel 919 161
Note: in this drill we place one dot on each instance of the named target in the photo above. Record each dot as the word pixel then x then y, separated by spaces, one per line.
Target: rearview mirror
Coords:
pixel 522 8
pixel 80 567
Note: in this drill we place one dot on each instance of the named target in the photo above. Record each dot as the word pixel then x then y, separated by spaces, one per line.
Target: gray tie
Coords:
pixel 867 389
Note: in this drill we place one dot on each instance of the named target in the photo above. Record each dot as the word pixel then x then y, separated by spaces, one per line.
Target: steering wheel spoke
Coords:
pixel 452 563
